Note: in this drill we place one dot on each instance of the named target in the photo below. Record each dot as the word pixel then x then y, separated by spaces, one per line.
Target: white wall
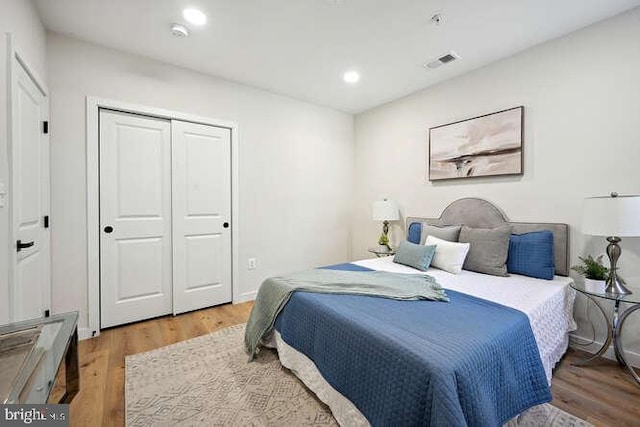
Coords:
pixel 19 18
pixel 582 138
pixel 296 162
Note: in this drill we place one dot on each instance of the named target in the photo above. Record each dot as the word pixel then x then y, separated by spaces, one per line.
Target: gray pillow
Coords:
pixel 416 256
pixel 447 232
pixel 489 249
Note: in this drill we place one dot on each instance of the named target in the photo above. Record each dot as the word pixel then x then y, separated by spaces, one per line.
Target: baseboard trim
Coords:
pixel 247 296
pixel 86 333
pixel 633 358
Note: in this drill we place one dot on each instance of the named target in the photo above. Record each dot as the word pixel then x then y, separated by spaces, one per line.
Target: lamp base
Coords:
pixel 383 240
pixel 615 284
pixel 616 287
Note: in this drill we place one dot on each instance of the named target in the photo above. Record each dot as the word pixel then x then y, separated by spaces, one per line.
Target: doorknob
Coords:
pixel 225 225
pixel 108 229
pixel 20 246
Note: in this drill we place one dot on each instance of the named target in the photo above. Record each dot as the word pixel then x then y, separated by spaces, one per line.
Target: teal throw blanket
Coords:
pixel 276 291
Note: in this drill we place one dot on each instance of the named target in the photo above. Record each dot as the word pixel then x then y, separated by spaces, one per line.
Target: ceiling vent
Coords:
pixel 442 60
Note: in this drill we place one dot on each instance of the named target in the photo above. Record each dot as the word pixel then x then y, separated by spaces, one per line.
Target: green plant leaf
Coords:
pixel 592 268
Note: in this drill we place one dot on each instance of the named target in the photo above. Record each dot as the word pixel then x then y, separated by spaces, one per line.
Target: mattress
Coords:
pixel 547 303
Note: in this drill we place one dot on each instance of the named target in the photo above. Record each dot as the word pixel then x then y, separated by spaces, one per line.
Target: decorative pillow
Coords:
pixel 449 256
pixel 531 254
pixel 413 234
pixel 416 256
pixel 447 232
pixel 489 249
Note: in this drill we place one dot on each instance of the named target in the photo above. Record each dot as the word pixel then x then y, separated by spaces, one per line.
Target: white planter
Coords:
pixel 595 286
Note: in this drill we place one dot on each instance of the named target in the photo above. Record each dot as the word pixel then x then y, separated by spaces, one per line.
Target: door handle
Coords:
pixel 108 229
pixel 225 225
pixel 20 246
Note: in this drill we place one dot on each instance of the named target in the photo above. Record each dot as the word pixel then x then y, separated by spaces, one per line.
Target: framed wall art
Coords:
pixel 488 145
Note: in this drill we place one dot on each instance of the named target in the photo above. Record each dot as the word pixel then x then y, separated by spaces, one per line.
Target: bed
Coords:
pixel 376 361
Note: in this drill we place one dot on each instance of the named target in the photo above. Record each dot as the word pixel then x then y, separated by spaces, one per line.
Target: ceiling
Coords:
pixel 301 48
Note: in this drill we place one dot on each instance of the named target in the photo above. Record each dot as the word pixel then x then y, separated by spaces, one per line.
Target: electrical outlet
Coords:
pixel 252 263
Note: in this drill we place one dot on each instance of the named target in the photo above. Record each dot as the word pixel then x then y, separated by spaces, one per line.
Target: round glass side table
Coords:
pixel 614 325
pixel 382 251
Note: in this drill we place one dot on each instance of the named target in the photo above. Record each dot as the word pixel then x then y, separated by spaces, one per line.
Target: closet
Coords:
pixel 165 210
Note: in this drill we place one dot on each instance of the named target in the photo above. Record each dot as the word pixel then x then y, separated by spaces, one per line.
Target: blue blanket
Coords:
pixel 419 363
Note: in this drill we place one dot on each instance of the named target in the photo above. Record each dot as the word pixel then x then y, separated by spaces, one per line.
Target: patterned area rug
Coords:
pixel 207 381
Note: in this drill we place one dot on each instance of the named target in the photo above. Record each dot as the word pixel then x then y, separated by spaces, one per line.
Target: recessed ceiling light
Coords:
pixel 351 77
pixel 179 30
pixel 194 16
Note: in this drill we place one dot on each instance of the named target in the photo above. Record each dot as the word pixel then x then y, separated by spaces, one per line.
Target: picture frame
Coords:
pixel 482 146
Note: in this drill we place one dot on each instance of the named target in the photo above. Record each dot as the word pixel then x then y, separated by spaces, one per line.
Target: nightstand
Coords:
pixel 614 325
pixel 382 251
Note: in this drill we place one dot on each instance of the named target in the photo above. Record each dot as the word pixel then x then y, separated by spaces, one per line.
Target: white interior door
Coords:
pixel 201 216
pixel 135 217
pixel 31 281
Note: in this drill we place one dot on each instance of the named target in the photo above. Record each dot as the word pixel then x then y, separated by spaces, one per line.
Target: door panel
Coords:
pixel 29 177
pixel 29 280
pixel 201 157
pixel 140 189
pixel 203 188
pixel 139 276
pixel 200 251
pixel 135 200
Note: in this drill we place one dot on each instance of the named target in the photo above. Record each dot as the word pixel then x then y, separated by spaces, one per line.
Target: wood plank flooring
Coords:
pixel 602 394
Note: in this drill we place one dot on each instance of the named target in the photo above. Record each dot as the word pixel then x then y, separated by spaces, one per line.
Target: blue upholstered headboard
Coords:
pixel 479 213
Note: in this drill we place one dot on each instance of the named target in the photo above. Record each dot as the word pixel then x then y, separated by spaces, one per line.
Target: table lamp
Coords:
pixel 385 211
pixel 615 217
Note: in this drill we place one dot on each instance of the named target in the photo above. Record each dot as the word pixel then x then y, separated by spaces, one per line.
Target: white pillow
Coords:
pixel 449 256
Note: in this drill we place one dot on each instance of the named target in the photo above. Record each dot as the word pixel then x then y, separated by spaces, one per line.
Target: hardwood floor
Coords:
pixel 101 397
pixel 602 394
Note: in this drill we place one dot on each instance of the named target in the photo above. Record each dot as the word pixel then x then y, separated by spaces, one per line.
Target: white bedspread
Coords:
pixel 547 303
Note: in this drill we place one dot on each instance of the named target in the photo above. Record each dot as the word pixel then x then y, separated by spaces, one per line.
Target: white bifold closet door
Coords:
pixel 201 214
pixel 135 218
pixel 165 207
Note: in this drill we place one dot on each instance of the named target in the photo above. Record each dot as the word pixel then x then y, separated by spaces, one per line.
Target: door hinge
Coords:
pixel 46 221
pixel 47 313
pixel 45 127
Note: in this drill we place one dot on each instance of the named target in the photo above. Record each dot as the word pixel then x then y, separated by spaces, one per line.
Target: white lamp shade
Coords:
pixel 612 216
pixel 385 210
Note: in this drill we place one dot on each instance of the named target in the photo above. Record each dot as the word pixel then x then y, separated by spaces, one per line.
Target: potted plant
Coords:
pixel 594 272
pixel 383 240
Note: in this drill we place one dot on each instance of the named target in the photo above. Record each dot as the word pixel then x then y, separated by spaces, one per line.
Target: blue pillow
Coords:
pixel 531 254
pixel 413 235
pixel 416 256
